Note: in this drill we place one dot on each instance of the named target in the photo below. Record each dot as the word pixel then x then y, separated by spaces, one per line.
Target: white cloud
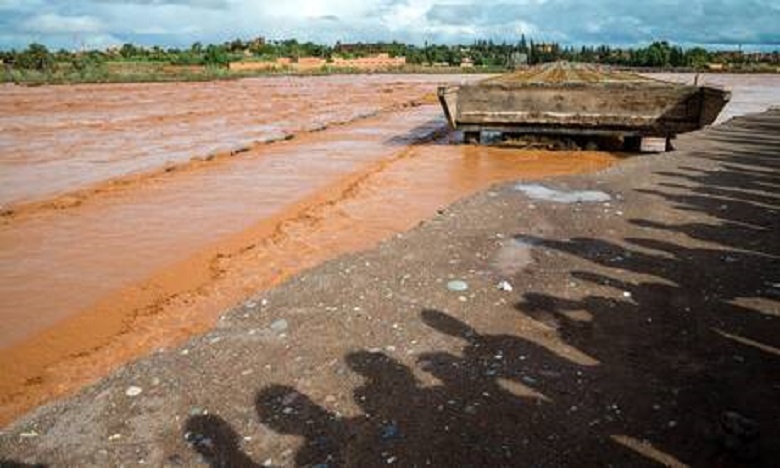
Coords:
pixel 53 23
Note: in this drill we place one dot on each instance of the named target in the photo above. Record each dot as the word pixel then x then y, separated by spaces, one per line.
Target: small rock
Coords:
pixel 198 440
pixel 391 460
pixel 626 294
pixel 504 286
pixel 739 435
pixel 279 325
pixel 738 425
pixel 390 432
pixel 457 285
pixel 133 391
pixel 28 435
pixel 115 437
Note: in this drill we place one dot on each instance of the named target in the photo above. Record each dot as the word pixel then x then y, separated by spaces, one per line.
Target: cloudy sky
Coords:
pixel 99 23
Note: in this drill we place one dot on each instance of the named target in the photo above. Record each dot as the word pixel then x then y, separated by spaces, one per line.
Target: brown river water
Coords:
pixel 136 214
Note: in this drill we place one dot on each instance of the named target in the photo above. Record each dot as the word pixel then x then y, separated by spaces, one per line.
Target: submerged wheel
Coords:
pixel 471 138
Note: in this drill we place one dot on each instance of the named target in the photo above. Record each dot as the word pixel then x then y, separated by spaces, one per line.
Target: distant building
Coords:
pixel 372 63
pixel 467 63
pixel 375 62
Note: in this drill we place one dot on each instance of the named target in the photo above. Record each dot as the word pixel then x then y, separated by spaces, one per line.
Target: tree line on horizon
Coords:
pixel 481 53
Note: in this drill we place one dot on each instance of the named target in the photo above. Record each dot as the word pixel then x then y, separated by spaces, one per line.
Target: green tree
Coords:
pixel 215 56
pixel 36 57
pixel 697 57
pixel 128 51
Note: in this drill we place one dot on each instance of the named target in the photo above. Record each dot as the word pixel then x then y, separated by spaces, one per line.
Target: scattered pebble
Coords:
pixel 133 391
pixel 504 286
pixel 279 325
pixel 457 285
pixel 390 431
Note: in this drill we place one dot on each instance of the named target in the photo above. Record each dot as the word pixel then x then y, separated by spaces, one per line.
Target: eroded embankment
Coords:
pixel 153 265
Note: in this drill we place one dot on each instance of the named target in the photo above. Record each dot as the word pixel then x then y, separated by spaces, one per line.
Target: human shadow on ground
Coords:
pixel 680 321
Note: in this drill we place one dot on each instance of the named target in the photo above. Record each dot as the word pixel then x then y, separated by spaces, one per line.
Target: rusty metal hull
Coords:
pixel 613 104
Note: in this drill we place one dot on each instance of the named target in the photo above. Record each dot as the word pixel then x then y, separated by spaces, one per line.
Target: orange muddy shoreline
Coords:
pixel 187 298
pixel 395 171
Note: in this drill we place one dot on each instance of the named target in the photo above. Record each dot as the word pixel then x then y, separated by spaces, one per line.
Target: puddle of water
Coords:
pixel 541 192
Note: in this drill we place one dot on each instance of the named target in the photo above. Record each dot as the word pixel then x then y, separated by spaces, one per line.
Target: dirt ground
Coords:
pixel 641 328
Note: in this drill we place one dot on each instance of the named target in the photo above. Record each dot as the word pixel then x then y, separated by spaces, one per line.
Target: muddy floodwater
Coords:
pixel 135 214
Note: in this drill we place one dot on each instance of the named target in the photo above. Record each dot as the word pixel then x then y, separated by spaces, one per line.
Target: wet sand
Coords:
pixel 145 264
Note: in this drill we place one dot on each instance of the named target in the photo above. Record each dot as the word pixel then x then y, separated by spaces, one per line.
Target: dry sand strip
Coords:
pixel 629 317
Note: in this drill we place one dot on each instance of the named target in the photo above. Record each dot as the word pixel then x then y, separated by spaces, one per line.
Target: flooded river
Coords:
pixel 125 236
